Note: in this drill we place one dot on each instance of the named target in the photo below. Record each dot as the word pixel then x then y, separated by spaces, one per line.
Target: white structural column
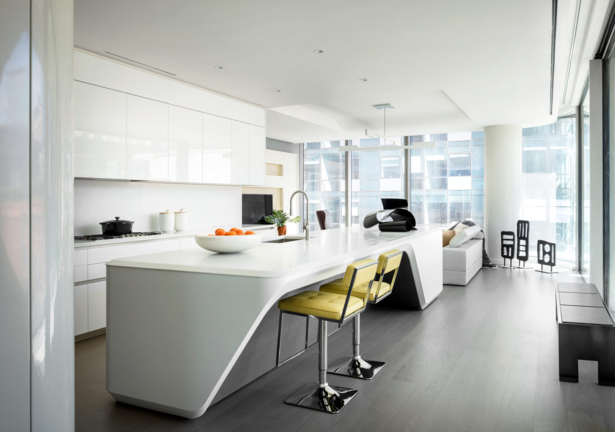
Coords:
pixel 502 184
pixel 37 388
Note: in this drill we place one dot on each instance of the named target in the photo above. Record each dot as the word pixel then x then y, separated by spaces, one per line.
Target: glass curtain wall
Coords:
pixel 585 199
pixel 376 175
pixel 447 182
pixel 324 180
pixel 549 185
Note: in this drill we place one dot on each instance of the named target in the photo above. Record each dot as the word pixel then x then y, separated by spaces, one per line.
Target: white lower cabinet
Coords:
pixel 81 309
pixel 97 305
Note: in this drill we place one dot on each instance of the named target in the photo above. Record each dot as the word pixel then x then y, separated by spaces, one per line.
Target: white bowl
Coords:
pixel 227 244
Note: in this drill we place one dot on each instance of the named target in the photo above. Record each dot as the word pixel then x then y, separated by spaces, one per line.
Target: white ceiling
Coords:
pixel 446 65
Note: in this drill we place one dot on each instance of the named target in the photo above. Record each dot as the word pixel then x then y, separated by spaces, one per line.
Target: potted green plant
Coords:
pixel 279 218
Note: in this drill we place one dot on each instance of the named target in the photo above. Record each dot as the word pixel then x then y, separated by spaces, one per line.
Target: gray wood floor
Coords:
pixel 480 358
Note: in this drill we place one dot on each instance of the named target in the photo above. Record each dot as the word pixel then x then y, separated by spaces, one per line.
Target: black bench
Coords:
pixel 586 332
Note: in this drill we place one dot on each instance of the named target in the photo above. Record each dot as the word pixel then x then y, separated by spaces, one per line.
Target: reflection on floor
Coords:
pixel 480 358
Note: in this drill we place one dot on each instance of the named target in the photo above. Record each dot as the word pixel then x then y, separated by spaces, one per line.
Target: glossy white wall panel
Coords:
pixel 106 73
pixel 81 309
pixel 148 139
pixel 51 200
pixel 96 201
pixel 15 219
pixel 215 104
pixel 185 145
pixel 96 271
pixel 241 153
pixel 217 149
pixel 100 132
pixel 80 258
pixel 81 273
pixel 257 155
pixel 97 305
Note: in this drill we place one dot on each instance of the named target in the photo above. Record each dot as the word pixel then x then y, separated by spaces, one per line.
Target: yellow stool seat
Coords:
pixel 320 304
pixel 338 287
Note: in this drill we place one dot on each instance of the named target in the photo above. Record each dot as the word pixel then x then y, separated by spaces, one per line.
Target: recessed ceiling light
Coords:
pixel 363 79
pixel 277 91
pixel 218 67
pixel 318 51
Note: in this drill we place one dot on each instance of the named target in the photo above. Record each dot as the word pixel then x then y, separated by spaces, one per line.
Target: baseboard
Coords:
pixel 89 335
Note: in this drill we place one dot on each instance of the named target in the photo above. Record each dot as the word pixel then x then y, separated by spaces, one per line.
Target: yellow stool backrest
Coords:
pixel 358 273
pixel 388 262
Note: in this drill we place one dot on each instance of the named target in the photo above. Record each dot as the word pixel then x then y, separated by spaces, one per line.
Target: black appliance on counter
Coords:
pixel 254 208
pixel 394 218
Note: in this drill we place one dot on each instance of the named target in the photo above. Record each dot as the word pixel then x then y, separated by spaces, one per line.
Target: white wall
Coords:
pixel 99 201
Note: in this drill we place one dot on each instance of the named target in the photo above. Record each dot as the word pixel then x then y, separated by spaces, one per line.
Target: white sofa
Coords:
pixel 463 262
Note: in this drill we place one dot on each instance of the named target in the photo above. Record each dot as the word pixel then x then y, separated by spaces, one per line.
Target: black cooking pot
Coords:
pixel 116 227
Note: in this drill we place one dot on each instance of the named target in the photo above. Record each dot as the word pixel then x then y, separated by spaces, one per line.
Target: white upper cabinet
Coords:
pixel 217 149
pixel 100 132
pixel 148 139
pixel 241 153
pixel 257 156
pixel 106 73
pixel 135 125
pixel 185 145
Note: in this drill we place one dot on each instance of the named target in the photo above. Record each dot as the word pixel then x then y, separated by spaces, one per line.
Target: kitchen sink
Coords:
pixel 286 240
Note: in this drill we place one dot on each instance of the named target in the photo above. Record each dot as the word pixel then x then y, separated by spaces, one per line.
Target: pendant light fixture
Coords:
pixel 384 108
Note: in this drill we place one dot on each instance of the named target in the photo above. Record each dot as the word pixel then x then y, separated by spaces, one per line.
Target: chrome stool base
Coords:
pixel 361 368
pixel 329 399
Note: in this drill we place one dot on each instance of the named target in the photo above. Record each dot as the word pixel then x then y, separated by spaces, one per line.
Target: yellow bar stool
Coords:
pixel 328 307
pixel 355 366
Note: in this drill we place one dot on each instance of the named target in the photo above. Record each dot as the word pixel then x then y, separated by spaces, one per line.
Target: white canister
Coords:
pixel 167 222
pixel 181 220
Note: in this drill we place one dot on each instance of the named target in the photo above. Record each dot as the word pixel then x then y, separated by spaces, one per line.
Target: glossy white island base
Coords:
pixel 178 321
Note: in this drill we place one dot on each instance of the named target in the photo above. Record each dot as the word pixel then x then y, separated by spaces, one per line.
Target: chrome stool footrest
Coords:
pixel 331 399
pixel 356 368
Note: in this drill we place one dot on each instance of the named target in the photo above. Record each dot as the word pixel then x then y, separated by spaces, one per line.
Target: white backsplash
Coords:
pixel 99 201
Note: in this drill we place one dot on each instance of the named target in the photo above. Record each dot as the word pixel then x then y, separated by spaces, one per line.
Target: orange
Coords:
pixel 220 232
pixel 234 229
pixel 239 232
pixel 231 233
pixel 249 232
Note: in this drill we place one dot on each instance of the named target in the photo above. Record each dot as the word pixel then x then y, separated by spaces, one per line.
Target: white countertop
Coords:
pixel 168 236
pixel 278 259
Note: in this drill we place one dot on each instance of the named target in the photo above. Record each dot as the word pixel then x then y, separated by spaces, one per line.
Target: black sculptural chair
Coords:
pixel 323 219
pixel 508 247
pixel 523 238
pixel 546 256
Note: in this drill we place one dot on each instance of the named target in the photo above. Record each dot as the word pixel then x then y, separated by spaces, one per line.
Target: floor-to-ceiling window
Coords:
pixel 549 185
pixel 324 180
pixel 376 175
pixel 447 182
pixel 585 190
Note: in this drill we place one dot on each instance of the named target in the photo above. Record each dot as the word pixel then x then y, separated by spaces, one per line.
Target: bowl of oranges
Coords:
pixel 231 241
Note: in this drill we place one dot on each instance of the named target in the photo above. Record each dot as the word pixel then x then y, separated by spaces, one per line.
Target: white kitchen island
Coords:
pixel 178 321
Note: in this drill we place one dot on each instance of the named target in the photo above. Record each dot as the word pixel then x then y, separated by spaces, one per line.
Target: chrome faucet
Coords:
pixel 307 212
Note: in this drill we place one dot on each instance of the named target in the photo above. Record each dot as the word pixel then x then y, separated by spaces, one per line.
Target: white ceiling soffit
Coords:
pixel 446 65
